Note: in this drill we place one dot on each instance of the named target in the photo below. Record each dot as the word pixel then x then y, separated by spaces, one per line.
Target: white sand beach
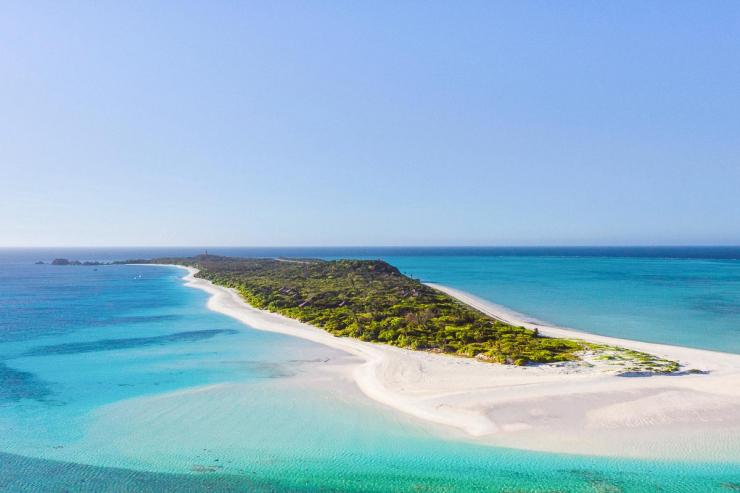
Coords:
pixel 559 407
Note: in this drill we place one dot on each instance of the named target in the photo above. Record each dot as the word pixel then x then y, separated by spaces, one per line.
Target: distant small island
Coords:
pixel 64 261
pixel 372 301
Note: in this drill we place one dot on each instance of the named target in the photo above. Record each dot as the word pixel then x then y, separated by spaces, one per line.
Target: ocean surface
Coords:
pixel 118 378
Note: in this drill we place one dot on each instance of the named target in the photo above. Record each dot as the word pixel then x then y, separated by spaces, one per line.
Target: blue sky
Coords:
pixel 369 123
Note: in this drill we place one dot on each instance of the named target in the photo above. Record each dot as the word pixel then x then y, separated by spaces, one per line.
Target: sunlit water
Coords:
pixel 118 378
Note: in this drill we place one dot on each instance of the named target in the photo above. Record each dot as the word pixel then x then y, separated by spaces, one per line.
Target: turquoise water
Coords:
pixel 120 379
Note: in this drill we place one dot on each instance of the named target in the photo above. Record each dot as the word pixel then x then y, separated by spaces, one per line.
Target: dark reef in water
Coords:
pixel 21 474
pixel 133 342
pixel 17 384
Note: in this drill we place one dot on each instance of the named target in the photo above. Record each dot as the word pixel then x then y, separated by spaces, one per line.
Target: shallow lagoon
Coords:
pixel 120 378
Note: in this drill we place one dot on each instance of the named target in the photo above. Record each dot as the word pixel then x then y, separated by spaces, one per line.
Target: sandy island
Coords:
pixel 565 407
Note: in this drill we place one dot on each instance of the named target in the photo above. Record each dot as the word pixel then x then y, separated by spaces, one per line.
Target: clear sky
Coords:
pixel 369 123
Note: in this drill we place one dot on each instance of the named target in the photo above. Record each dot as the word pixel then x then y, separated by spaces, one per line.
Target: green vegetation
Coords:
pixel 372 301
pixel 628 360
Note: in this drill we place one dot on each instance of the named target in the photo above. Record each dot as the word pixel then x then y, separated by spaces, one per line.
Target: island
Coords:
pixel 447 357
pixel 373 301
pixel 64 261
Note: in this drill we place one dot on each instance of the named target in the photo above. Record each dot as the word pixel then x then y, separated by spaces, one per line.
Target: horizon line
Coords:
pixel 667 245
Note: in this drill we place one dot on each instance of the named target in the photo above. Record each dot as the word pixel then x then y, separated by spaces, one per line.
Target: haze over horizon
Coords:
pixel 291 124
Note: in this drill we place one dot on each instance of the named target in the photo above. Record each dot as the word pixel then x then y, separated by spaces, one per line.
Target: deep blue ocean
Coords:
pixel 118 378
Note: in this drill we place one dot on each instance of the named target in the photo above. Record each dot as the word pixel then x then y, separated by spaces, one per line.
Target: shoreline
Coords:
pixel 683 354
pixel 555 408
